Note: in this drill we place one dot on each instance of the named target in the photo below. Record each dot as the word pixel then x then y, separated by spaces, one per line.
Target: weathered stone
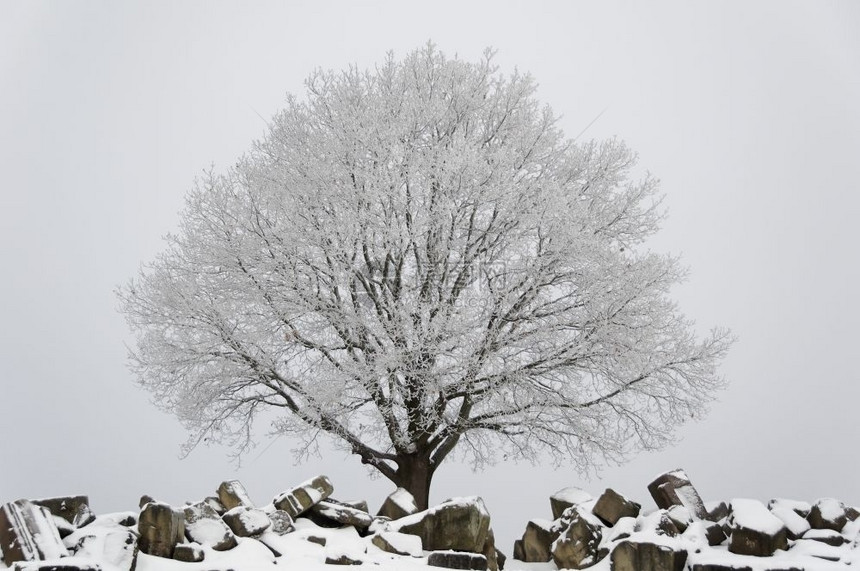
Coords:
pixel 73 509
pixel 657 522
pixel 675 489
pixel 680 516
pixel 536 544
pixel 117 548
pixel 457 560
pixel 247 522
pixel 398 543
pixel 827 513
pixel 145 499
pixel 232 493
pixel 827 536
pixel 852 513
pixel 519 552
pixel 360 505
pixel 328 514
pixel 64 528
pixel 799 507
pixel 714 533
pixel 612 506
pixel 215 504
pixel 461 525
pixel 795 525
pixel 501 558
pixel 489 551
pixel 718 511
pixel 646 556
pixel 67 565
pixel 719 567
pixel 577 546
pixel 161 528
pixel 317 539
pixel 342 560
pixel 282 523
pixel 204 526
pixel 566 498
pixel 398 504
pixel 189 552
pixel 755 530
pixel 304 496
pixel 28 533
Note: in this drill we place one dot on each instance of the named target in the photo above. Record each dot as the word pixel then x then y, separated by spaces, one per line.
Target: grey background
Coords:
pixel 748 112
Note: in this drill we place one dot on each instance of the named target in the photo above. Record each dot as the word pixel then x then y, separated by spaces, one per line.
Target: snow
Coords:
pixel 572 495
pixel 831 509
pixel 403 542
pixel 404 500
pixel 793 522
pixel 752 514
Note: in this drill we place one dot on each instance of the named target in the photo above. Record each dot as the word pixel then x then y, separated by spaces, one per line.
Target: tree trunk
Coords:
pixel 414 473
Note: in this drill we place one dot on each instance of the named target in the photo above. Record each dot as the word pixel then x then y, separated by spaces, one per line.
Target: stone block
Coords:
pixel 328 514
pixel 490 552
pixel 536 544
pixel 116 548
pixel 755 530
pixel 566 498
pixel 612 506
pixel 646 556
pixel 675 489
pixel 398 504
pixel 518 552
pixel 232 494
pixel 28 533
pixel 204 526
pixel 398 543
pixel 161 528
pixel 578 546
pixel 247 522
pixel 73 509
pixel 827 513
pixel 282 523
pixel 304 496
pixel 189 552
pixel 457 560
pixel 460 525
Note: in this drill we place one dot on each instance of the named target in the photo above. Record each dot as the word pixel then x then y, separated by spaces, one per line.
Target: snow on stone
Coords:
pixel 794 505
pixel 403 542
pixel 404 499
pixel 831 509
pixel 752 514
pixel 795 524
pixel 572 495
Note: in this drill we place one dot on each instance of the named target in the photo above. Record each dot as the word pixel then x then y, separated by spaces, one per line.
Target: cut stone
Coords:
pixel 566 498
pixel 459 524
pixel 28 533
pixel 342 560
pixel 282 523
pixel 536 544
pixel 519 552
pixel 612 506
pixel 827 513
pixel 657 522
pixel 233 494
pixel 328 514
pixel 247 522
pixel 189 552
pixel 215 504
pixel 675 489
pixel 457 560
pixel 118 548
pixel 360 505
pixel 73 509
pixel 718 511
pixel 828 536
pixel 397 505
pixel 680 516
pixel 755 530
pixel 490 552
pixel 204 526
pixel 799 507
pixel 398 543
pixel 578 545
pixel 304 496
pixel 161 528
pixel 646 556
pixel 795 525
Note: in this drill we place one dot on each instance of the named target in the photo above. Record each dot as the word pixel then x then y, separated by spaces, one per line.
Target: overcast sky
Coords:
pixel 749 113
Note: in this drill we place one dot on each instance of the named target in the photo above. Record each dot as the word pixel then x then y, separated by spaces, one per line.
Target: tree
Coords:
pixel 415 259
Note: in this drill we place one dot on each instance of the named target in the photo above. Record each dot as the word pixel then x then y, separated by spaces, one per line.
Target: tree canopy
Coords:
pixel 415 259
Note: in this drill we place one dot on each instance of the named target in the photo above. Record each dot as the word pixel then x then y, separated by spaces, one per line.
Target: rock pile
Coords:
pixel 685 533
pixel 63 533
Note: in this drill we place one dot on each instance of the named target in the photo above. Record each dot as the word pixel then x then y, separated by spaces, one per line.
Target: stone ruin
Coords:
pixel 62 534
pixel 610 531
pixel 684 533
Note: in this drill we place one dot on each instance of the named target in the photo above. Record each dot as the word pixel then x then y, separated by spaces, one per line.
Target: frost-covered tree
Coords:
pixel 415 259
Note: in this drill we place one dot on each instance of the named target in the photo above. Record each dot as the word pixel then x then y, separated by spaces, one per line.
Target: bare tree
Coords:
pixel 415 259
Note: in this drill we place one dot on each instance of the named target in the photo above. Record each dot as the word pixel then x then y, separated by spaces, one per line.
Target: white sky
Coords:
pixel 748 112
